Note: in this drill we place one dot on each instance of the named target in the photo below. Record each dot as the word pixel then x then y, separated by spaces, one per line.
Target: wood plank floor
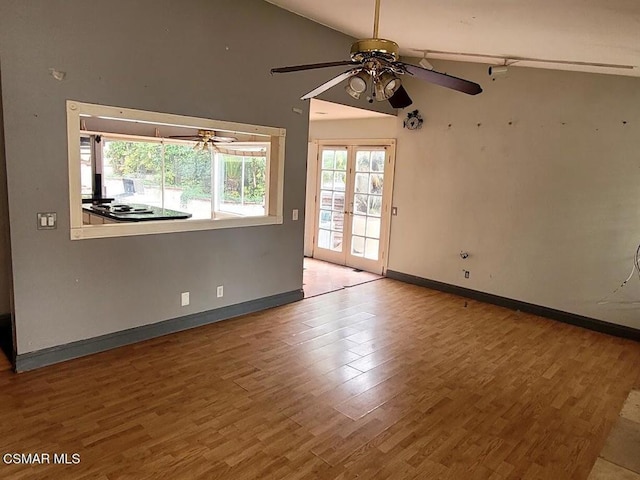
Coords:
pixel 380 381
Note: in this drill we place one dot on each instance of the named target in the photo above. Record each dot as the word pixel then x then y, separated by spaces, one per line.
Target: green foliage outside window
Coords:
pixel 189 170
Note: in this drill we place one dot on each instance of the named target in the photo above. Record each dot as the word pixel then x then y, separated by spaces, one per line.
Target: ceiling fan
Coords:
pixel 375 66
pixel 205 139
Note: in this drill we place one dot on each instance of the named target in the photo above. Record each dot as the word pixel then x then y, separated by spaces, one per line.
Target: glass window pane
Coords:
pixel 362 161
pixel 324 239
pixel 327 181
pixel 255 184
pixel 336 241
pixel 377 161
pixel 325 199
pixel 360 204
pixel 132 171
pixel 362 183
pixel 373 227
pixel 341 160
pixel 339 181
pixel 357 246
pixel 338 201
pixel 375 205
pixel 359 225
pixel 188 180
pixel 371 249
pixel 337 221
pixel 241 183
pixel 86 177
pixel 231 178
pixel 325 219
pixel 328 159
pixel 375 184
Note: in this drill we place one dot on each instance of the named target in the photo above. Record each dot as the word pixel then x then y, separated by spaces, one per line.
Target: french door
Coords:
pixel 353 205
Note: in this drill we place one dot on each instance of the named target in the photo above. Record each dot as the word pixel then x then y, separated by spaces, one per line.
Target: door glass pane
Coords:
pixel 373 227
pixel 325 219
pixel 377 161
pixel 328 159
pixel 325 199
pixel 339 181
pixel 360 204
pixel 324 237
pixel 337 221
pixel 375 183
pixel 327 180
pixel 367 203
pixel 375 205
pixel 371 249
pixel 363 159
pixel 333 178
pixel 359 225
pixel 362 183
pixel 336 241
pixel 357 246
pixel 341 160
pixel 338 201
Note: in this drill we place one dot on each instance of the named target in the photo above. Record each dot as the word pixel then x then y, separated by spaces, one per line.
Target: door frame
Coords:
pixel 314 178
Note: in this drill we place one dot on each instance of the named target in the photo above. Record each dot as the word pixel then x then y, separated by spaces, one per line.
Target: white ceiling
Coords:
pixel 591 31
pixel 322 110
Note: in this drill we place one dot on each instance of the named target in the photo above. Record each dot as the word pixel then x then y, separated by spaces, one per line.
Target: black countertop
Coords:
pixel 134 212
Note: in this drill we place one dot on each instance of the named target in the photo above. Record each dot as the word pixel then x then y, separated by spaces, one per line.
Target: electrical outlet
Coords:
pixel 220 291
pixel 466 273
pixel 294 214
pixel 184 299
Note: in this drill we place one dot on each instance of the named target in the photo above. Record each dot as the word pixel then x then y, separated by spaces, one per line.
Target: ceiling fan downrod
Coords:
pixel 376 19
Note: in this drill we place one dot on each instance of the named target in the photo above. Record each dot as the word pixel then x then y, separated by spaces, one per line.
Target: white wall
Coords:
pixel 538 178
pixel 366 128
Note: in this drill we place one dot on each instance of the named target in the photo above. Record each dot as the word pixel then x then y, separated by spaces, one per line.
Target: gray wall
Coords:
pixel 5 249
pixel 200 58
pixel 538 178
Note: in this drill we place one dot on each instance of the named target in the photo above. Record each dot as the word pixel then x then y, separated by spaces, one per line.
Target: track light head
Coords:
pixel 424 63
pixel 498 70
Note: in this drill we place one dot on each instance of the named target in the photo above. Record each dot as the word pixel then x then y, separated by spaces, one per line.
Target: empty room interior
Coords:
pixel 171 171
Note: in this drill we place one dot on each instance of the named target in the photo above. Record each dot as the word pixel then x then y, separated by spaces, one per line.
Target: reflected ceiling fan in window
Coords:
pixel 376 69
pixel 205 139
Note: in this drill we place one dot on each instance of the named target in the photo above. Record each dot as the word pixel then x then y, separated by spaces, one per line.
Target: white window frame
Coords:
pixel 275 180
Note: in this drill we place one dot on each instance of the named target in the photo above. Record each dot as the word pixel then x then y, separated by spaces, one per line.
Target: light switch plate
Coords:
pixel 47 221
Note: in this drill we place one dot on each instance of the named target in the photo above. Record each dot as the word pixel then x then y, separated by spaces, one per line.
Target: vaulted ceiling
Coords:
pixel 600 36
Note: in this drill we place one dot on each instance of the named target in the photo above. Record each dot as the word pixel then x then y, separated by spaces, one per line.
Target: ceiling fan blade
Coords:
pixel 442 79
pixel 188 137
pixel 400 99
pixel 331 83
pixel 311 66
pixel 223 139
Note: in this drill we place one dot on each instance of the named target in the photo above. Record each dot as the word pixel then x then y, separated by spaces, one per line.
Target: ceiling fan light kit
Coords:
pixel 356 85
pixel 374 62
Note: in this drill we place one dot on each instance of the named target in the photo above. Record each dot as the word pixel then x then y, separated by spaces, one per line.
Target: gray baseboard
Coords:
pixel 61 353
pixel 551 313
